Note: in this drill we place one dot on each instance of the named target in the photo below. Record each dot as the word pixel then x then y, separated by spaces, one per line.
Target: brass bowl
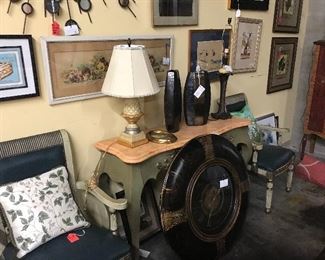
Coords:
pixel 161 137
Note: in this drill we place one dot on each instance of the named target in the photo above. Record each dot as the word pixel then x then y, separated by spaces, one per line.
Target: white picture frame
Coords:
pixel 268 136
pixel 75 67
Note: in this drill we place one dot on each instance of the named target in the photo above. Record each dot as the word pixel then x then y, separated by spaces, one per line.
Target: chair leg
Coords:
pixel 289 178
pixel 269 192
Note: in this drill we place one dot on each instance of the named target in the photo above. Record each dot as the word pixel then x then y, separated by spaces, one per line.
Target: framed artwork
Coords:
pixel 261 5
pixel 246 44
pixel 18 76
pixel 75 67
pixel 175 12
pixel 282 63
pixel 149 218
pixel 207 50
pixel 268 136
pixel 287 16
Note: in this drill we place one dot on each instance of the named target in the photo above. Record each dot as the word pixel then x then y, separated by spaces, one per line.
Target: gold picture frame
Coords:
pixel 246 44
pixel 75 67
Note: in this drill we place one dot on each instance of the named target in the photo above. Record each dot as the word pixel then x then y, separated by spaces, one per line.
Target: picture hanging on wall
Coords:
pixel 75 67
pixel 287 16
pixel 175 12
pixel 282 63
pixel 18 76
pixel 261 5
pixel 207 50
pixel 246 44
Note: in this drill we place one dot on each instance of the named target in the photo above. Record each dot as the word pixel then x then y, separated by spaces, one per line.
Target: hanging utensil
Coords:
pixel 53 7
pixel 125 4
pixel 85 6
pixel 27 9
pixel 11 1
pixel 71 22
pixel 77 1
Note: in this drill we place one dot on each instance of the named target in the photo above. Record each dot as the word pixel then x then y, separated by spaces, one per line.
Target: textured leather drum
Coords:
pixel 173 101
pixel 204 198
pixel 196 102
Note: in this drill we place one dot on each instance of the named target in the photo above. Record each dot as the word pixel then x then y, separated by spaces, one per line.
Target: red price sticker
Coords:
pixel 72 237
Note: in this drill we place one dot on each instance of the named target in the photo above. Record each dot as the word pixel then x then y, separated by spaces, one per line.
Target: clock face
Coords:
pixel 210 201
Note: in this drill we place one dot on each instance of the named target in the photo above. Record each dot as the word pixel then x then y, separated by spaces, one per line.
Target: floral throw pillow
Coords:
pixel 40 208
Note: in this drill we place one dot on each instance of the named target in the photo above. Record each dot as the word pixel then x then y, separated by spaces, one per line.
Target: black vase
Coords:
pixel 222 112
pixel 196 102
pixel 173 101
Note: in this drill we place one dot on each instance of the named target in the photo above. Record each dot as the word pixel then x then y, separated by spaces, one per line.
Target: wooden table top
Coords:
pixel 185 134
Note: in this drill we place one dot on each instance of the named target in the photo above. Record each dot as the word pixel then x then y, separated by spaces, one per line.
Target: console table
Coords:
pixel 133 167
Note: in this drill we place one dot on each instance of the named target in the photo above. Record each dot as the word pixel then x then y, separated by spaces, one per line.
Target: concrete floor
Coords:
pixel 294 230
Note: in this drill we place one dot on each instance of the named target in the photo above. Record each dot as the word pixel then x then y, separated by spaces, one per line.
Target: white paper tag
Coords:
pixel 71 30
pixel 166 61
pixel 199 91
pixel 223 183
pixel 171 75
pixel 238 13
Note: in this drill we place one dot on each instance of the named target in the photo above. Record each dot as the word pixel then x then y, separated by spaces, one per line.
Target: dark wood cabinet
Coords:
pixel 314 119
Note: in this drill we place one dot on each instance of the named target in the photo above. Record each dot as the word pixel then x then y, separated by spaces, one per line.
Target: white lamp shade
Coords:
pixel 130 73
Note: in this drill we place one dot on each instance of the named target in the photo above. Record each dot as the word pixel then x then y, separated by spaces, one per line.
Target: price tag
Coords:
pixel 71 30
pixel 238 13
pixel 199 91
pixel 171 75
pixel 223 183
pixel 72 237
pixel 166 61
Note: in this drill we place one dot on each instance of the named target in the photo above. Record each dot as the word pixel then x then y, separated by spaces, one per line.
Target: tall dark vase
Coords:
pixel 222 112
pixel 173 101
pixel 196 102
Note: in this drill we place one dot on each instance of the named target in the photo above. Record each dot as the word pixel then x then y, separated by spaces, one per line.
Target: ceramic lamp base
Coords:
pixel 132 140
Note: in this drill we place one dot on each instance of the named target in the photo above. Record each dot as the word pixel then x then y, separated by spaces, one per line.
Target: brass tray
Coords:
pixel 161 137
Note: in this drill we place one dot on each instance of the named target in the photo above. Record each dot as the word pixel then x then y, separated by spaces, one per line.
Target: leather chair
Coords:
pixel 31 156
pixel 267 160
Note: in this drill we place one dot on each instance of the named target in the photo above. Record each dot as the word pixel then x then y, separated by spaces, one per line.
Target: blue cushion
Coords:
pixel 272 157
pixel 31 164
pixel 97 243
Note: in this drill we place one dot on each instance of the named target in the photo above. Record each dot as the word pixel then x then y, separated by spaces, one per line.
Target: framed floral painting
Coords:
pixel 75 67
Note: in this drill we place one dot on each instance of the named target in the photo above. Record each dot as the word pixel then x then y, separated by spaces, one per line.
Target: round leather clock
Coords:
pixel 204 198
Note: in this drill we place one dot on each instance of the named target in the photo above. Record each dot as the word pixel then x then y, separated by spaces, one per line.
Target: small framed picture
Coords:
pixel 246 44
pixel 268 136
pixel 207 50
pixel 260 5
pixel 75 67
pixel 282 63
pixel 18 76
pixel 175 12
pixel 287 16
pixel 149 217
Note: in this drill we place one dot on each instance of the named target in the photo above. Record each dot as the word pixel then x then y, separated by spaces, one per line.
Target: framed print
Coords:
pixel 207 50
pixel 246 44
pixel 268 136
pixel 75 67
pixel 175 12
pixel 149 218
pixel 18 76
pixel 261 5
pixel 282 64
pixel 287 16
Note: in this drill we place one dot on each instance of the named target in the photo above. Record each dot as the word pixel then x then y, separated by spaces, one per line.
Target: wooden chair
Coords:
pixel 29 158
pixel 267 160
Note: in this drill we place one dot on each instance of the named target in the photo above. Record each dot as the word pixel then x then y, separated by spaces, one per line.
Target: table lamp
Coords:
pixel 130 76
